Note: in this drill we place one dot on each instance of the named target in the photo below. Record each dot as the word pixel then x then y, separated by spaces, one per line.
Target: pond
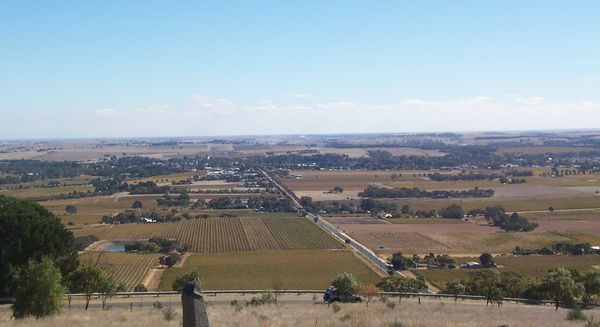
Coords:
pixel 114 247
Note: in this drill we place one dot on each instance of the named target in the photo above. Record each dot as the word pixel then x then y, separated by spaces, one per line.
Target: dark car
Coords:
pixel 330 296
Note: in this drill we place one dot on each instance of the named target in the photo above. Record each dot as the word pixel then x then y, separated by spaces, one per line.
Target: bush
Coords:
pixel 336 308
pixel 140 288
pixel 157 305
pixel 183 279
pixel 576 314
pixel 391 305
pixel 345 284
pixel 169 313
pixel 39 292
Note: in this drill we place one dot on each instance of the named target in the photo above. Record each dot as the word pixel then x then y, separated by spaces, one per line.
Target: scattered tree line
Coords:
pixel 405 192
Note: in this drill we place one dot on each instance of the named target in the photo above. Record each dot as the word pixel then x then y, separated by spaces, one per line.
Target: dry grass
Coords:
pixel 409 313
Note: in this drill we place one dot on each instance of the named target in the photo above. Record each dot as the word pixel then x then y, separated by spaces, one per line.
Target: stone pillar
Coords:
pixel 194 309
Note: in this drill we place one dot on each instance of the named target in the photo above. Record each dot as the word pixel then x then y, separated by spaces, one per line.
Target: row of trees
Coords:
pixel 560 285
pixel 405 192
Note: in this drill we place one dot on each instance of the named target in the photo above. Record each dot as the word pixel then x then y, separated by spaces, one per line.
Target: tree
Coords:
pixel 71 209
pixel 486 283
pixel 367 292
pixel 107 290
pixel 87 280
pixel 30 231
pixel 140 288
pixel 39 291
pixel 560 285
pixel 486 260
pixel 455 288
pixel 345 284
pixel 405 209
pixel 453 211
pixel 402 284
pixel 182 280
pixel 137 204
pixel 399 262
pixel 591 284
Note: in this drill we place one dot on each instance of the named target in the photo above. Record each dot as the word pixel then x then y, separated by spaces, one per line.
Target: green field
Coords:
pixel 533 266
pixel 129 269
pixel 299 269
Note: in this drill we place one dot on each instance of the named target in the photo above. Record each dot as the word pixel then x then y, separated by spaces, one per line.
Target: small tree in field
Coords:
pixel 561 286
pixel 367 292
pixel 183 279
pixel 87 280
pixel 39 292
pixel 455 288
pixel 137 204
pixel 107 290
pixel 345 284
pixel 71 209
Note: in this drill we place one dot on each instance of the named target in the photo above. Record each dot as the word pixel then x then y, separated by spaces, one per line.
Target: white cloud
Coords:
pixel 202 115
pixel 532 100
pixel 300 95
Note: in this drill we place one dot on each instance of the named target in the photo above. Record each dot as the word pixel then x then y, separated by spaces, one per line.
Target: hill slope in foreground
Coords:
pixel 407 313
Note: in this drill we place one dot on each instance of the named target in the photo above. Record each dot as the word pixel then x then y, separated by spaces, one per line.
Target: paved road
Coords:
pixel 341 236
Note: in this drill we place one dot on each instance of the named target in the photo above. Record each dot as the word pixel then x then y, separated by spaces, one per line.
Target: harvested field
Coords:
pixel 533 266
pixel 583 214
pixel 128 269
pixel 222 235
pixel 355 220
pixel 299 269
pixel 513 204
pixel 44 192
pixel 545 149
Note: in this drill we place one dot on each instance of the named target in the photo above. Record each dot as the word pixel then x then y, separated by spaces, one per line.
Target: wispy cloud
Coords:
pixel 203 115
pixel 300 95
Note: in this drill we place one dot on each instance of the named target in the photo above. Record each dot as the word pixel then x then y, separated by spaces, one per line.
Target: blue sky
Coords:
pixel 166 68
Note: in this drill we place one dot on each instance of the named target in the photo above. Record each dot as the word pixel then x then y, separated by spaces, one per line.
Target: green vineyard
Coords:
pixel 128 269
pixel 223 235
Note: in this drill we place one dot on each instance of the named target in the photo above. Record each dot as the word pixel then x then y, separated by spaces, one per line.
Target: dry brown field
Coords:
pixel 545 149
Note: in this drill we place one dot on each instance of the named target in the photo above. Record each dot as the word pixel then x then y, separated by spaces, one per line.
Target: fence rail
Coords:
pixel 306 292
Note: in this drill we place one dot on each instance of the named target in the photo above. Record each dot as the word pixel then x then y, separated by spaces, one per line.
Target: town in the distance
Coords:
pixel 275 228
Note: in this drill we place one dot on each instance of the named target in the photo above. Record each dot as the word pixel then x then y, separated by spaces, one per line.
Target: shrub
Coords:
pixel 345 284
pixel 157 305
pixel 39 292
pixel 576 314
pixel 391 305
pixel 169 313
pixel 336 308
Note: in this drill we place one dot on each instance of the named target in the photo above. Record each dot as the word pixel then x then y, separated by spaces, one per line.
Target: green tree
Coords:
pixel 86 280
pixel 591 284
pixel 402 284
pixel 39 291
pixel 137 204
pixel 486 260
pixel 560 285
pixel 345 284
pixel 182 280
pixel 71 209
pixel 30 231
pixel 107 290
pixel 455 288
pixel 453 211
pixel 486 283
pixel 399 262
